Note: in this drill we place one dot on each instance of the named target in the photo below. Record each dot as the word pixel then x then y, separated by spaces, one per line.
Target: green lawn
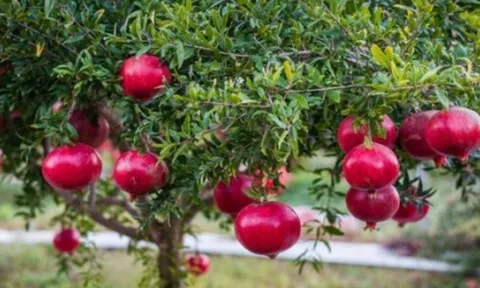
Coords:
pixel 35 267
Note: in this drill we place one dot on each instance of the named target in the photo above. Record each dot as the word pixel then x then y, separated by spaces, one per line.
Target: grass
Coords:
pixel 35 267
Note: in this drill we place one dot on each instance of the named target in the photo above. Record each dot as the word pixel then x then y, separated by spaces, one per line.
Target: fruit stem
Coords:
pixel 440 161
pixel 370 226
pixel 273 256
pixel 463 158
pixel 371 194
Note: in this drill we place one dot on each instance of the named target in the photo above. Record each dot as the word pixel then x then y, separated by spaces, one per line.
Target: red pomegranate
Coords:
pixel 144 76
pixel 409 213
pixel 67 240
pixel 92 130
pixel 413 139
pixel 139 174
pixel 3 69
pixel 267 228
pixel 371 168
pixel 197 264
pixel 231 197
pixel 454 131
pixel 72 167
pixel 348 137
pixel 373 208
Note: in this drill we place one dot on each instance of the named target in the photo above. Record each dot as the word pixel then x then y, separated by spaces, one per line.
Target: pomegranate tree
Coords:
pixel 209 89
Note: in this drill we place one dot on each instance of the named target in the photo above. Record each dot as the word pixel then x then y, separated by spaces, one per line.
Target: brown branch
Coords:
pixel 91 197
pixel 321 89
pixel 114 201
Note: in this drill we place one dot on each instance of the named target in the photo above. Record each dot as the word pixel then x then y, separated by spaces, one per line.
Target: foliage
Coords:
pixel 278 76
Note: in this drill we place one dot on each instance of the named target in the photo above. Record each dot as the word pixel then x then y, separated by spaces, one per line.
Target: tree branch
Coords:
pixel 113 201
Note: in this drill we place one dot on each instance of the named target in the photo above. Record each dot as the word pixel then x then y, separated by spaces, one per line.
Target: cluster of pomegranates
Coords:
pixel 262 227
pixel 371 167
pixel 73 167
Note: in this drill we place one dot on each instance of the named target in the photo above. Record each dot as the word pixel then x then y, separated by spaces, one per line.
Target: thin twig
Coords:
pixel 48 37
pixel 320 89
pixel 115 201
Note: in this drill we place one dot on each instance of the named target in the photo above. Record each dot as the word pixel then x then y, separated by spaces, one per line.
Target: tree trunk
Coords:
pixel 169 261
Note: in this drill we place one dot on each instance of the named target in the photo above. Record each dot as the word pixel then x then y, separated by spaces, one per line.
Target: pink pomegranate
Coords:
pixel 139 174
pixel 231 197
pixel 371 168
pixel 409 213
pixel 348 137
pixel 267 228
pixel 144 76
pixel 197 264
pixel 413 139
pixel 72 167
pixel 92 129
pixel 454 131
pixel 374 208
pixel 67 240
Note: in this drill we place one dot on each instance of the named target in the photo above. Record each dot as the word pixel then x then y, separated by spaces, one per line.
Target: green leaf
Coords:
pixel 301 100
pixel 332 230
pixel 378 54
pixel 48 7
pixel 430 74
pixel 334 95
pixel 180 53
pixel 144 50
pixel 277 121
pixel 442 97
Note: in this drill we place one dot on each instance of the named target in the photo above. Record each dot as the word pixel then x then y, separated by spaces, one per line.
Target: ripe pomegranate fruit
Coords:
pixel 454 131
pixel 144 76
pixel 197 264
pixel 72 167
pixel 92 130
pixel 231 197
pixel 413 139
pixel 409 213
pixel 139 174
pixel 370 168
pixel 348 137
pixel 67 240
pixel 373 208
pixel 3 69
pixel 267 228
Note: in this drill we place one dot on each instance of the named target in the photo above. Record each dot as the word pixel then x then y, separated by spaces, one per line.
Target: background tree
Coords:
pixel 277 76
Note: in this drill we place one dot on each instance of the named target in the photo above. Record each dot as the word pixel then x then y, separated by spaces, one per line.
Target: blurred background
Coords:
pixel 450 232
